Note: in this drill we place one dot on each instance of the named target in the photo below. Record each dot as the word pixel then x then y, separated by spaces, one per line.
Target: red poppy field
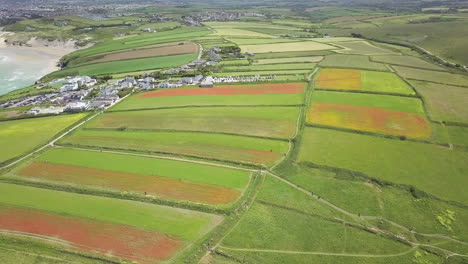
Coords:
pixel 371 119
pixel 154 185
pixel 254 89
pixel 92 236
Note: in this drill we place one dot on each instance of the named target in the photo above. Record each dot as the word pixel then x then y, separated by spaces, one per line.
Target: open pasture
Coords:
pixel 246 25
pixel 404 257
pixel 258 41
pixel 444 102
pixel 293 22
pixel 98 224
pixel 180 34
pixel 204 145
pixel 18 137
pixel 291 54
pixel 234 32
pixel 347 79
pixel 351 61
pixel 362 48
pixel 174 49
pixel 409 61
pixel 286 47
pixel 312 59
pixel 359 195
pixel 271 227
pixel 369 119
pixel 458 135
pixel 121 66
pixel 277 122
pixel 334 39
pixel 277 73
pixel 421 165
pixel 432 76
pixel 270 67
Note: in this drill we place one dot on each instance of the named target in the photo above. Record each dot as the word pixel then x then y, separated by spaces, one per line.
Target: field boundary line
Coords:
pixel 38 255
pixel 320 253
pixel 351 215
pixel 376 134
pixel 182 131
pixel 203 106
pixel 367 92
pixel 455 85
pixel 163 157
pixel 170 154
pixel 212 249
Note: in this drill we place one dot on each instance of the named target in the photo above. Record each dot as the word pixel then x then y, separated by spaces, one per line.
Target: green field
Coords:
pixel 212 146
pixel 444 102
pixel 397 103
pixel 409 257
pixel 207 100
pixel 289 60
pixel 234 32
pixel 372 81
pixel 277 228
pixel 125 66
pixel 19 137
pixel 257 41
pixel 360 196
pixel 458 135
pixel 432 76
pixel 270 67
pixel 384 82
pixel 149 166
pixel 185 224
pixel 418 164
pixel 246 25
pixel 291 54
pixel 351 61
pixel 140 41
pixel 361 47
pixel 286 47
pixel 278 74
pixel 254 121
pixel 406 61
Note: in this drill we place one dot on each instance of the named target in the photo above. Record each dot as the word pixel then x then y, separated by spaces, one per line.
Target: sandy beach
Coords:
pixel 52 50
pixel 21 66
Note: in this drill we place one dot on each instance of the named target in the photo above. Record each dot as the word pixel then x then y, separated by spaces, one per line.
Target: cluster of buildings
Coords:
pixel 78 82
pixel 253 78
pixel 191 67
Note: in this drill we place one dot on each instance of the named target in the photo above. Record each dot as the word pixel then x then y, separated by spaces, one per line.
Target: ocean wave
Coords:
pixel 4 59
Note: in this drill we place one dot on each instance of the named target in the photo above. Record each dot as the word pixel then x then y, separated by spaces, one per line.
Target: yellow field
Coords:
pixel 286 47
pixel 334 78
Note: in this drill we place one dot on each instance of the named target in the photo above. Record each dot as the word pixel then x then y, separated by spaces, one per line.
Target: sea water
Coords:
pixel 21 67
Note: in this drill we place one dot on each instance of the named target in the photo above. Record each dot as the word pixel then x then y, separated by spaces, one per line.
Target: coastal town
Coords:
pixel 84 93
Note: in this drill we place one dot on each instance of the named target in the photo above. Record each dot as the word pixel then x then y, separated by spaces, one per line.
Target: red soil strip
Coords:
pixel 370 119
pixel 279 88
pixel 160 186
pixel 91 235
